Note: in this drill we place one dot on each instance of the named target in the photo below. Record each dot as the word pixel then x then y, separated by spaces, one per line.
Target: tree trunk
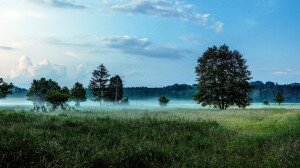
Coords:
pixel 77 104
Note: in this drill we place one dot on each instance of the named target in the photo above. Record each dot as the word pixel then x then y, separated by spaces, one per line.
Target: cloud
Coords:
pixel 160 8
pixel 26 71
pixel 285 72
pixel 142 47
pixel 58 4
pixel 191 39
pixel 55 41
pixel 218 27
pixel 7 48
pixel 72 54
pixel 9 15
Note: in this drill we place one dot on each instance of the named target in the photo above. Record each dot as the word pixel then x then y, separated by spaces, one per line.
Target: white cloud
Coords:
pixel 218 26
pixel 142 47
pixel 72 54
pixel 9 15
pixel 26 71
pixel 58 4
pixel 159 8
pixel 285 72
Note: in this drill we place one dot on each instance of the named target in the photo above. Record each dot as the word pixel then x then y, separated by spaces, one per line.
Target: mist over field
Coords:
pixel 149 84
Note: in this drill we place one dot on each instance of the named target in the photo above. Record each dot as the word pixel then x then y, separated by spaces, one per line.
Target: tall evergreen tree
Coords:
pixel 279 98
pixel 98 83
pixel 115 89
pixel 5 89
pixel 223 78
pixel 78 94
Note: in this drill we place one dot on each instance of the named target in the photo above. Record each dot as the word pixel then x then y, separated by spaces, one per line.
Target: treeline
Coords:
pixel 177 91
pixel 261 91
pixel 267 91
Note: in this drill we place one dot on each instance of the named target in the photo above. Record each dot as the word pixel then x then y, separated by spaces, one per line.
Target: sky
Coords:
pixel 149 43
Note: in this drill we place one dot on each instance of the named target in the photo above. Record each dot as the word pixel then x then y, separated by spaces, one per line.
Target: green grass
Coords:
pixel 151 138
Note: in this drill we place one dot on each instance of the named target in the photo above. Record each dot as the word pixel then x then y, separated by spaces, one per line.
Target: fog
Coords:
pixel 140 104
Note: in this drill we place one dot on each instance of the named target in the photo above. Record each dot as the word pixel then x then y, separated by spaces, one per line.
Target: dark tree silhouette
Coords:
pixel 163 101
pixel 57 97
pixel 38 90
pixel 279 98
pixel 115 89
pixel 78 94
pixel 5 89
pixel 98 83
pixel 223 78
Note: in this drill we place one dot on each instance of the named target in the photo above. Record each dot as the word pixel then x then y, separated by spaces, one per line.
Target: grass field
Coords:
pixel 151 138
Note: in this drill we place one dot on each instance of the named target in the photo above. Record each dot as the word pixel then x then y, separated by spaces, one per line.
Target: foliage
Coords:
pixel 163 100
pixel 235 138
pixel 57 97
pixel 78 94
pixel 5 89
pixel 267 91
pixel 98 83
pixel 223 78
pixel 38 90
pixel 115 89
pixel 279 98
pixel 176 91
pixel 266 102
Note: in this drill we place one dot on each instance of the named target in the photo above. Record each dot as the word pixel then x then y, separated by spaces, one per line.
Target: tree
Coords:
pixel 57 97
pixel 223 78
pixel 279 98
pixel 38 90
pixel 78 94
pixel 5 89
pixel 115 89
pixel 98 83
pixel 163 101
pixel 266 102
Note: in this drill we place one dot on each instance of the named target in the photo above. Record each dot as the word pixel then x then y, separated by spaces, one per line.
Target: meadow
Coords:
pixel 170 137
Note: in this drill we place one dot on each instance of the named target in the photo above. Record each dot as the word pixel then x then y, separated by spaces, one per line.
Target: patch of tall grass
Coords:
pixel 176 138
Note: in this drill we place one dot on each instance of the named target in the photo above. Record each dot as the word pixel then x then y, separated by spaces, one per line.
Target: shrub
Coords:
pixel 163 101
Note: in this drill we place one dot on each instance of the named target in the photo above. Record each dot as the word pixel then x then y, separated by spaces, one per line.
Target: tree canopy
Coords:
pixel 38 90
pixel 98 83
pixel 279 98
pixel 115 89
pixel 57 97
pixel 78 94
pixel 223 78
pixel 5 89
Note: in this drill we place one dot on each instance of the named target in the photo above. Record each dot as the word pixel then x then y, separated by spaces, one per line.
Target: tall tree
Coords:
pixel 38 90
pixel 115 89
pixel 78 94
pixel 5 89
pixel 279 98
pixel 223 78
pixel 98 83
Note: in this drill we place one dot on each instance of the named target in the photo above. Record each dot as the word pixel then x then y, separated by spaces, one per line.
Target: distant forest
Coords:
pixel 261 91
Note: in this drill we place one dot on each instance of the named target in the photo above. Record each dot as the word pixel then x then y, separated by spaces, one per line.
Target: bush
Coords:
pixel 163 101
pixel 266 102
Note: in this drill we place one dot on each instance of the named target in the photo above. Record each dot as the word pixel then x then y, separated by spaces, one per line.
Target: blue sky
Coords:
pixel 147 42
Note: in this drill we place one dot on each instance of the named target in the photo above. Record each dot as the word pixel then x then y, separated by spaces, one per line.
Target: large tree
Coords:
pixel 98 83
pixel 38 90
pixel 115 89
pixel 5 89
pixel 78 94
pixel 223 78
pixel 57 97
